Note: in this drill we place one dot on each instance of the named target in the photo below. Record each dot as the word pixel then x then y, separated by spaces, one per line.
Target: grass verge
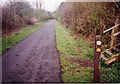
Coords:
pixel 8 42
pixel 111 73
pixel 75 56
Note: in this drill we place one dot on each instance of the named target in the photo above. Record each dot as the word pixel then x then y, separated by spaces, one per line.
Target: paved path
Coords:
pixel 35 59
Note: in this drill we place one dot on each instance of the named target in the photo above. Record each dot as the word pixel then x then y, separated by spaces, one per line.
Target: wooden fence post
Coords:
pixel 97 54
pixel 113 38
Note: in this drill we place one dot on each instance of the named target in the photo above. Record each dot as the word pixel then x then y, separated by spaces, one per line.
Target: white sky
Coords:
pixel 51 5
pixel 48 5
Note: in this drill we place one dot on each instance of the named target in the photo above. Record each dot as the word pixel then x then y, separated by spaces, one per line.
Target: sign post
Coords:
pixel 97 54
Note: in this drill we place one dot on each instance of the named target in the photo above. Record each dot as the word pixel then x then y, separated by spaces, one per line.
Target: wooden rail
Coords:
pixel 113 34
pixel 116 34
pixel 98 54
pixel 111 28
pixel 114 57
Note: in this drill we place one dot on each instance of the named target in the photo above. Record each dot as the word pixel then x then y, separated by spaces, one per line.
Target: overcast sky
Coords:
pixel 49 5
pixel 52 5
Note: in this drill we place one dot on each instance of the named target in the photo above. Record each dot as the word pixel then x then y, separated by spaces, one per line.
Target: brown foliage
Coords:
pixel 15 15
pixel 85 18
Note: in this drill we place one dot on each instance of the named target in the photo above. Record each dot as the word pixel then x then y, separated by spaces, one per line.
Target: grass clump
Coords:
pixel 72 71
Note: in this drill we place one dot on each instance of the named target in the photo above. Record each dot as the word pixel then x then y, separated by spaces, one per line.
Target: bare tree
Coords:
pixel 39 4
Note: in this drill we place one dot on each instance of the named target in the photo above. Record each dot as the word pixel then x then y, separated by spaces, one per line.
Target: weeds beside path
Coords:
pixel 76 56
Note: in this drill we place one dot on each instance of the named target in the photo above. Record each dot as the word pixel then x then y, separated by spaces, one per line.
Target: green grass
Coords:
pixel 73 72
pixel 111 73
pixel 67 46
pixel 8 42
pixel 87 52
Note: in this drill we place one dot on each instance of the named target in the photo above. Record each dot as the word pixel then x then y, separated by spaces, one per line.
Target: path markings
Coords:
pixel 97 54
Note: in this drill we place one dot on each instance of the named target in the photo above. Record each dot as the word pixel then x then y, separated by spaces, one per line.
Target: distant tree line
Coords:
pixel 85 18
pixel 19 14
